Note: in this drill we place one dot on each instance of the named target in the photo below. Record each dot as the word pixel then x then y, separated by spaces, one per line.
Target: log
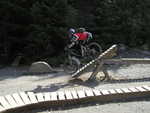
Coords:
pixel 128 60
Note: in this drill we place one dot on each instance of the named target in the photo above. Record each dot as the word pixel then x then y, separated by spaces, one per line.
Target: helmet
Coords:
pixel 81 30
pixel 71 30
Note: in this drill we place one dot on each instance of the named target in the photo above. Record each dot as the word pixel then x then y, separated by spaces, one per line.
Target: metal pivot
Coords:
pixel 100 67
pixel 104 70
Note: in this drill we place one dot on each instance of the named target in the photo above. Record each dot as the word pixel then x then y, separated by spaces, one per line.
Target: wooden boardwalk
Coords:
pixel 29 100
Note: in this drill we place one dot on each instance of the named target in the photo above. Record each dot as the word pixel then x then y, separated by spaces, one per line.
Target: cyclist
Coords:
pixel 82 36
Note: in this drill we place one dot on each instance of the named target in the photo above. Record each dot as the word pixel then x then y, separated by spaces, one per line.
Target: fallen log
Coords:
pixel 128 60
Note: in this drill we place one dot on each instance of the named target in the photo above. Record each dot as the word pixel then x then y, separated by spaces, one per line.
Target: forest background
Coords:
pixel 37 29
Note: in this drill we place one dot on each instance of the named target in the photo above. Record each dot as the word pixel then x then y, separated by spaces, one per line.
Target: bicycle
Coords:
pixel 76 57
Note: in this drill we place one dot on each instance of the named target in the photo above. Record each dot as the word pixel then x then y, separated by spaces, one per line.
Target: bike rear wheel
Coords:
pixel 72 65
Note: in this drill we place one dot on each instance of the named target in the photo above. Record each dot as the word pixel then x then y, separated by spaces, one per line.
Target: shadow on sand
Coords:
pixel 89 84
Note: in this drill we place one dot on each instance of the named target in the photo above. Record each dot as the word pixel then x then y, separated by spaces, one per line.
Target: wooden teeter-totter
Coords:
pixel 29 101
pixel 109 53
pixel 106 58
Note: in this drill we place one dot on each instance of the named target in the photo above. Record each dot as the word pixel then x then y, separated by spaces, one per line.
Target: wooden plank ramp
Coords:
pixel 47 96
pixel 68 95
pixel 32 97
pixel 2 108
pixel 110 52
pixel 25 98
pixel 54 96
pixel 18 99
pixel 30 100
pixel 74 94
pixel 61 95
pixel 4 103
pixel 11 101
pixel 40 97
pixel 128 60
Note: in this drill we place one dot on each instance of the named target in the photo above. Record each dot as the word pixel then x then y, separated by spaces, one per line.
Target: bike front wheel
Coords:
pixel 95 49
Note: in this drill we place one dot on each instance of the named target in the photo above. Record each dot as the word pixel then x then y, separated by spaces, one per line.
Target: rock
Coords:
pixel 40 67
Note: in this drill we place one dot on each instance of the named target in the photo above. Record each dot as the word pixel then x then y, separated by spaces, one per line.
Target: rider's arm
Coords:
pixel 75 37
pixel 90 35
pixel 73 40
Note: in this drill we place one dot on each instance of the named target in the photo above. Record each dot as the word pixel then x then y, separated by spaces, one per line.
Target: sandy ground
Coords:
pixel 13 80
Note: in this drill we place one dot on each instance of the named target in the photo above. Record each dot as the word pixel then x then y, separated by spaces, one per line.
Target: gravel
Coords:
pixel 14 80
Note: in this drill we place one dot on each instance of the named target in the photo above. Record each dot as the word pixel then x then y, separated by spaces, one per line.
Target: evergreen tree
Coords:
pixel 122 21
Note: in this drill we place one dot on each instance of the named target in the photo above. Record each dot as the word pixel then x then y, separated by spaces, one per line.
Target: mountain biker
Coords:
pixel 82 36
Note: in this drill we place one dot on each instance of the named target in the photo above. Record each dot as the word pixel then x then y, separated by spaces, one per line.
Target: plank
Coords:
pixel 4 102
pixel 40 97
pixel 74 94
pixel 47 96
pixel 119 91
pixel 32 97
pixel 1 108
pixel 68 95
pixel 105 92
pixel 18 99
pixel 112 91
pixel 146 87
pixel 89 93
pixel 54 96
pixel 96 92
pixel 61 95
pixel 141 89
pixel 11 101
pixel 81 94
pixel 25 98
pixel 126 90
pixel 133 89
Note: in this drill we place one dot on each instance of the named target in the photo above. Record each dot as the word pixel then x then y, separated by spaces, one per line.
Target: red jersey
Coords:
pixel 81 36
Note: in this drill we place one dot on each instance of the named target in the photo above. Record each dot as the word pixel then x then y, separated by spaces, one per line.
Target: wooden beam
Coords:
pixel 128 60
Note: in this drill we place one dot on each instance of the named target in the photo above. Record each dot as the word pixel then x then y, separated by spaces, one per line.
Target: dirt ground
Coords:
pixel 13 80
